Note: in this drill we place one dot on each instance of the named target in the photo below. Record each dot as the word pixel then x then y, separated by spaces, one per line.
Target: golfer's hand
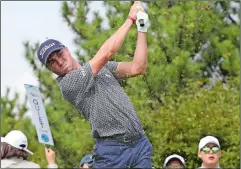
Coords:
pixel 136 7
pixel 50 155
pixel 142 16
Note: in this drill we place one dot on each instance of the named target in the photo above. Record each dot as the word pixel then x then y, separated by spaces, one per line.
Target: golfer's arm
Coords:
pixel 138 65
pixel 110 47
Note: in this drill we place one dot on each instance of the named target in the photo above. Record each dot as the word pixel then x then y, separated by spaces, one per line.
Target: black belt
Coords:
pixel 124 139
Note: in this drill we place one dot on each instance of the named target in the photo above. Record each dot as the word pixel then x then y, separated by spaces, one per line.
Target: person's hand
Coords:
pixel 50 155
pixel 136 7
pixel 142 21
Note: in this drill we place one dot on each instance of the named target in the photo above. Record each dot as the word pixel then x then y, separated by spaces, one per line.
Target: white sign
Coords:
pixel 38 114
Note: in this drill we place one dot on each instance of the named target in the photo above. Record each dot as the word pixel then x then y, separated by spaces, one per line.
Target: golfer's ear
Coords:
pixel 199 154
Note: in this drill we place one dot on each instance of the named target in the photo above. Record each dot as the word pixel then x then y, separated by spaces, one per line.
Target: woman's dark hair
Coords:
pixel 8 151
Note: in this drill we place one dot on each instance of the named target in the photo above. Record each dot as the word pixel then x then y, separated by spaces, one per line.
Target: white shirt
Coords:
pixel 15 162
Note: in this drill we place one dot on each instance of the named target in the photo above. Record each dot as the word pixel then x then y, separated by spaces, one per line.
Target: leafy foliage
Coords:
pixel 190 89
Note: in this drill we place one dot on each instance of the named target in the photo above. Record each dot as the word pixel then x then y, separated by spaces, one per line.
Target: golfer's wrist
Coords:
pixel 130 18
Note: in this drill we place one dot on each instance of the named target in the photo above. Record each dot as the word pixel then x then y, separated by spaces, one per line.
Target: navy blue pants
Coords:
pixel 113 154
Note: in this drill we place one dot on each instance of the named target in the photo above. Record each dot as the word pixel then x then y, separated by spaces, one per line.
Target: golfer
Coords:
pixel 94 90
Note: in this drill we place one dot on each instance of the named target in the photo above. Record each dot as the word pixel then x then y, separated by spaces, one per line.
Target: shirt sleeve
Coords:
pixel 74 84
pixel 111 65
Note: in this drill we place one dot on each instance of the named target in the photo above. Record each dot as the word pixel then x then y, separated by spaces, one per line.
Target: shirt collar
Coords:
pixel 218 166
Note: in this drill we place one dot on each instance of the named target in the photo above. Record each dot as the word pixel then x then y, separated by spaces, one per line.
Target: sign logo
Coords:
pixel 45 138
pixel 45 48
pixel 83 72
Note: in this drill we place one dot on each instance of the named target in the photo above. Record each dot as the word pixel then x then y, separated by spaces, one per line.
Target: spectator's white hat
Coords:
pixel 174 156
pixel 16 139
pixel 207 140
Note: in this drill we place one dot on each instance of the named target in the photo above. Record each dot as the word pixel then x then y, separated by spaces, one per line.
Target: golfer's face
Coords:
pixel 60 62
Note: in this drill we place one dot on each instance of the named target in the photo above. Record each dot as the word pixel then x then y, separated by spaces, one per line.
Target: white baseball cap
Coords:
pixel 16 139
pixel 180 158
pixel 207 140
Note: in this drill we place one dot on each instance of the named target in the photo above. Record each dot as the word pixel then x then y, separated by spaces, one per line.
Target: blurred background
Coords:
pixel 190 89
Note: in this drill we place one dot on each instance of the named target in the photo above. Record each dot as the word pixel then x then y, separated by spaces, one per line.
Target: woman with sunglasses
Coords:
pixel 209 151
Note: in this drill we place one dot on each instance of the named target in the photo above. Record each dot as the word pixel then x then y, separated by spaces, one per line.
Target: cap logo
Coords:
pixel 46 47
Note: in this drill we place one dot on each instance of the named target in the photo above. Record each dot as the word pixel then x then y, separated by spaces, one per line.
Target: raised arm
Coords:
pixel 113 44
pixel 139 63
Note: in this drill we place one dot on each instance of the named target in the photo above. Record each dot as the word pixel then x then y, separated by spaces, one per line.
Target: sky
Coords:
pixel 32 21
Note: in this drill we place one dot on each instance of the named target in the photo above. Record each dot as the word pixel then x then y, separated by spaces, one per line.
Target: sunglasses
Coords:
pixel 208 149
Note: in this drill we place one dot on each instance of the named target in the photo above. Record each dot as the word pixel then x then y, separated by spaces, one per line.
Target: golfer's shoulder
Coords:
pixel 59 79
pixel 63 79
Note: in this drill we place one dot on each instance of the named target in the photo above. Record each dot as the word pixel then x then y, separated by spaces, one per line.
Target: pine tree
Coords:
pixel 190 89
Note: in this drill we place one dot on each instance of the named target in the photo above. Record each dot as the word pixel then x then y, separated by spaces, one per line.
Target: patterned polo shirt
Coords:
pixel 101 100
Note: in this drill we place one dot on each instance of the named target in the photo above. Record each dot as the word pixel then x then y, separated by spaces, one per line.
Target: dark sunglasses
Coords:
pixel 208 149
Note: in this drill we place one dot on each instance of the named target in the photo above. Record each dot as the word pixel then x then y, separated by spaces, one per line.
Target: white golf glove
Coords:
pixel 142 21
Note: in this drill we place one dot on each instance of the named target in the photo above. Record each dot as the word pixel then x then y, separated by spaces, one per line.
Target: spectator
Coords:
pixel 14 152
pixel 174 161
pixel 86 161
pixel 209 151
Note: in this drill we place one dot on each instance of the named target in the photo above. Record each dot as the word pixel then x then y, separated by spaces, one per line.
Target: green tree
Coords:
pixel 190 47
pixel 178 126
